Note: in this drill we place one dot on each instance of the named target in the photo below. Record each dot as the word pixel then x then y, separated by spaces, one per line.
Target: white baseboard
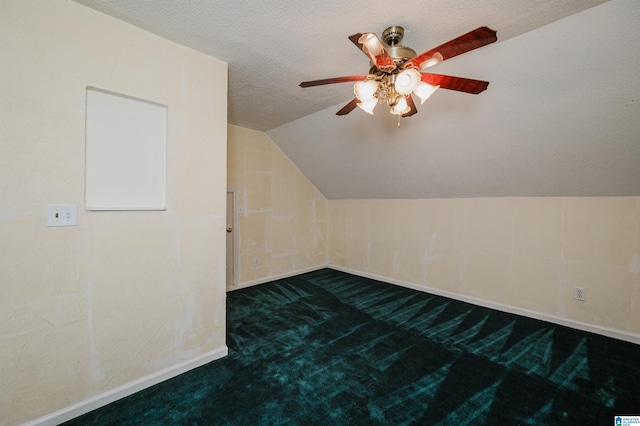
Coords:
pixel 127 389
pixel 605 331
pixel 276 277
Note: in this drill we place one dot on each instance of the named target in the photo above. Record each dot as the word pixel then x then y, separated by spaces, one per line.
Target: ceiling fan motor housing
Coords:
pixel 392 37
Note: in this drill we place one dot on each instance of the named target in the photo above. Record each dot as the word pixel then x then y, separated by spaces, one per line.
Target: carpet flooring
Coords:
pixel 328 347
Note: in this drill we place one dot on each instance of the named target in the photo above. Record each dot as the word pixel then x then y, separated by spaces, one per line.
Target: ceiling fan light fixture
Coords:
pixel 364 90
pixel 368 106
pixel 407 81
pixel 433 60
pixel 401 107
pixel 371 44
pixel 424 91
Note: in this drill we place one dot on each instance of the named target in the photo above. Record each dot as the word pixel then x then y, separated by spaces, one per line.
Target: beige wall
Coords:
pixel 528 253
pixel 122 295
pixel 127 294
pixel 282 217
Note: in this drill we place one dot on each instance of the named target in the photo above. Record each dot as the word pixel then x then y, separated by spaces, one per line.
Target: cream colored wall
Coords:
pixel 282 217
pixel 122 295
pixel 527 253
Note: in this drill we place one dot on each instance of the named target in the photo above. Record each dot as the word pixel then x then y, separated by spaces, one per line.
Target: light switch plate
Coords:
pixel 62 215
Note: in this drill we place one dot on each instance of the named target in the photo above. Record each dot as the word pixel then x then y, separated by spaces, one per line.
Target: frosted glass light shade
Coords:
pixel 401 107
pixel 433 60
pixel 364 90
pixel 424 91
pixel 407 81
pixel 368 106
pixel 371 44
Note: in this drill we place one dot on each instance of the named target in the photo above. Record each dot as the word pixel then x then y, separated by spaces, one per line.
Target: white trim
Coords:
pixel 276 277
pixel 605 331
pixel 127 389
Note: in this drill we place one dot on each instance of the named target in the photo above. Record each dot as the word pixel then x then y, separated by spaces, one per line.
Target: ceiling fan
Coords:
pixel 395 71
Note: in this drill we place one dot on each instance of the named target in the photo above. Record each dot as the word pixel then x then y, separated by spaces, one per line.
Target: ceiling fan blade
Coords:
pixel 334 80
pixel 348 107
pixel 460 84
pixel 371 46
pixel 411 105
pixel 463 44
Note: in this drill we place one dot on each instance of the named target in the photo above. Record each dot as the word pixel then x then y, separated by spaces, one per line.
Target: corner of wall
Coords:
pixel 282 218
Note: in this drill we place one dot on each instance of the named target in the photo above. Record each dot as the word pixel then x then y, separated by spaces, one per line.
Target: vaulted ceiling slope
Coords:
pixel 560 117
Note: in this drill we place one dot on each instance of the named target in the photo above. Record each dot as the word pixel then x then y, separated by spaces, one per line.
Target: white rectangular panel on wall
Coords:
pixel 126 153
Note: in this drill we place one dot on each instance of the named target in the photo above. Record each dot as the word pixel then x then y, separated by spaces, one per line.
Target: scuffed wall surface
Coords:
pixel 281 217
pixel 528 253
pixel 124 294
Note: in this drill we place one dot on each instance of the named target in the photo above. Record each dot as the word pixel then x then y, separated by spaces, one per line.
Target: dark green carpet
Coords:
pixel 331 348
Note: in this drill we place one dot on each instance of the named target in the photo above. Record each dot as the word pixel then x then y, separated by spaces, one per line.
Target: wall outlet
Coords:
pixel 62 215
pixel 580 293
pixel 256 261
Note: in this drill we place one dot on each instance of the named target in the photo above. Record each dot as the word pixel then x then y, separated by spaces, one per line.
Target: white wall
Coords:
pixel 123 295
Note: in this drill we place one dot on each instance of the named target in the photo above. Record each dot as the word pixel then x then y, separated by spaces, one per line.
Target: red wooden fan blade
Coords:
pixel 371 46
pixel 412 105
pixel 333 80
pixel 348 107
pixel 460 84
pixel 463 44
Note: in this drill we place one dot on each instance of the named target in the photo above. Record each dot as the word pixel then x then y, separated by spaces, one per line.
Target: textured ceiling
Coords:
pixel 271 46
pixel 561 116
